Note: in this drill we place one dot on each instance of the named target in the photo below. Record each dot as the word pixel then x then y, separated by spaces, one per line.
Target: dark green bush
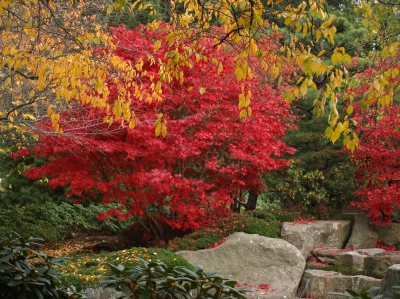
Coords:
pixel 262 223
pixel 157 280
pixel 27 273
pixel 54 222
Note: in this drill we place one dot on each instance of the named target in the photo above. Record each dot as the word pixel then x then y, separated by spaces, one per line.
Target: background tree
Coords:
pixel 377 159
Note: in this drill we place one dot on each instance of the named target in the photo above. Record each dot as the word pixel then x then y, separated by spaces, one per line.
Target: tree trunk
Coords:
pixel 252 200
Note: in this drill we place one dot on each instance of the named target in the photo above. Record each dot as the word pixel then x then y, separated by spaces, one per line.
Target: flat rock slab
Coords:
pixel 377 265
pixel 352 260
pixel 254 260
pixel 318 283
pixel 310 235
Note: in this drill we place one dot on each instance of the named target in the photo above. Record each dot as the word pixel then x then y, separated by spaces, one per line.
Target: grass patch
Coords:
pixel 86 269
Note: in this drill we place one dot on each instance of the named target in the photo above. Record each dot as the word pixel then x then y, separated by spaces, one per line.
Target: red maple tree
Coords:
pixel 378 157
pixel 185 180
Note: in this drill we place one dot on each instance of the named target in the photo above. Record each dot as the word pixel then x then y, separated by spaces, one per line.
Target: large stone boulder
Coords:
pixel 389 235
pixel 310 235
pixel 254 260
pixel 377 265
pixel 318 283
pixel 391 279
pixel 362 235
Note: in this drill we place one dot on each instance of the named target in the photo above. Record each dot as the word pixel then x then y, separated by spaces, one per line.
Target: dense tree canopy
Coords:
pixel 66 77
pixel 182 179
pixel 48 50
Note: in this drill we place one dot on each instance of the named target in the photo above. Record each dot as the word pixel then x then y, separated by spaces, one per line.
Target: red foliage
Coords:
pixel 187 179
pixel 316 262
pixel 216 244
pixel 378 157
pixel 304 220
pixel 379 244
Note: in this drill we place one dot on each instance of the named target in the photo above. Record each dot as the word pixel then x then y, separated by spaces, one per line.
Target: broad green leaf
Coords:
pixel 125 289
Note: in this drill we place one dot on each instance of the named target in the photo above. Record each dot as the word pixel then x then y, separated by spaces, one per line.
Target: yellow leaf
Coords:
pixel 332 32
pixel 347 58
pixel 321 53
pixel 303 88
pixel 157 45
pixel 377 85
pixel 336 57
pixel 305 29
pixel 181 79
pixel 395 72
pixel 349 109
pixel 241 70
pixel 110 9
pixel 158 129
pixel 241 101
pixel 132 124
pixel 385 52
pixel 220 67
pixel 163 130
pixel 318 35
pixel 299 80
pixel 328 22
pixel 249 111
pixel 202 90
pixel 345 125
pixel 243 114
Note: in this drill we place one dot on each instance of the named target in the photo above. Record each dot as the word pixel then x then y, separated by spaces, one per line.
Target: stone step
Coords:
pixel 318 283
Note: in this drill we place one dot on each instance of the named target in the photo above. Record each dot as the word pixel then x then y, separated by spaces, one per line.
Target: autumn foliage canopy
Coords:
pixel 189 155
pixel 378 157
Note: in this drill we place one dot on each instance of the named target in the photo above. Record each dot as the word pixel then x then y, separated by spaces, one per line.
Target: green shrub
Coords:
pixel 34 219
pixel 27 273
pixel 257 222
pixel 157 280
pixel 283 216
pixel 54 222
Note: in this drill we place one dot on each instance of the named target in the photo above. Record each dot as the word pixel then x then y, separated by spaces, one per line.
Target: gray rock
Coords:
pixel 391 279
pixel 255 260
pixel 362 234
pixel 101 293
pixel 377 265
pixel 318 283
pixel 310 235
pixel 350 262
pixel 371 251
pixel 389 235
